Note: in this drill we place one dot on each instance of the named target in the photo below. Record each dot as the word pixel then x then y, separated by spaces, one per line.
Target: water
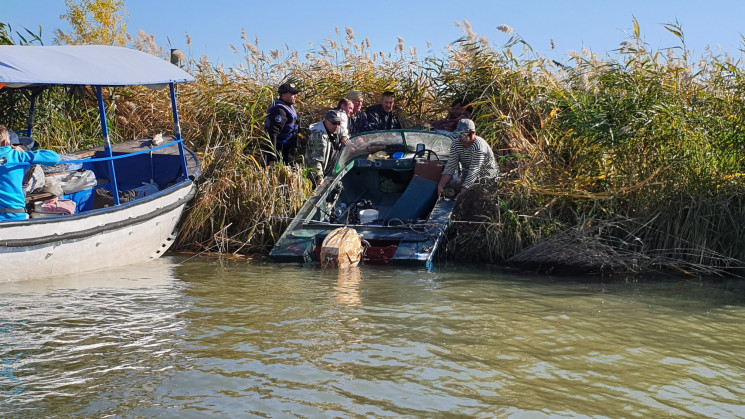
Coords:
pixel 199 338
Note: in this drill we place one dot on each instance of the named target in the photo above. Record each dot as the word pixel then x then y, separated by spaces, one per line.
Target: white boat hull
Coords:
pixel 67 245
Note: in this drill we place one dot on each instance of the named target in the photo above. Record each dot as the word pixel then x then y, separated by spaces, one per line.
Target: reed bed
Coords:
pixel 629 162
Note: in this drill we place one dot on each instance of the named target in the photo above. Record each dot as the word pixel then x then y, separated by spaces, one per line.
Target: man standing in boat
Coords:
pixel 471 159
pixel 13 167
pixel 282 124
pixel 324 145
pixel 381 117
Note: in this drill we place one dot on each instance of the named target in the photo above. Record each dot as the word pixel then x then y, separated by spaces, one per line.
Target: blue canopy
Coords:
pixel 94 65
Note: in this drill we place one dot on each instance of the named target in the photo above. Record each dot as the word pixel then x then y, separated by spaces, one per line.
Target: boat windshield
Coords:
pixel 407 141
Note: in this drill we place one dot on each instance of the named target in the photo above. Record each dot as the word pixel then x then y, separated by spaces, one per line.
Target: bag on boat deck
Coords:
pixel 342 248
pixel 103 198
pixel 34 179
pixel 52 185
pixel 147 189
pixel 77 181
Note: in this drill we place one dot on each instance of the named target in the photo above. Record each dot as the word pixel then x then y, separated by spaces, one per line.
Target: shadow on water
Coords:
pixel 200 337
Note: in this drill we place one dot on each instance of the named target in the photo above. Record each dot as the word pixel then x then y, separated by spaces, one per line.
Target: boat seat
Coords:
pixel 417 200
pixel 421 194
pixel 429 169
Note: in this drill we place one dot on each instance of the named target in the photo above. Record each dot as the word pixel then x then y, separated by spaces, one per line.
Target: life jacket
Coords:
pixel 288 135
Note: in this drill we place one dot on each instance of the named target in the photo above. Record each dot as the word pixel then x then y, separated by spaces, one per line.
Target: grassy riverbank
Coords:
pixel 625 163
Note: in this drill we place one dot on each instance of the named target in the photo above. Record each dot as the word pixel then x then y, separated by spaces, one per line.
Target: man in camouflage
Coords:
pixel 324 145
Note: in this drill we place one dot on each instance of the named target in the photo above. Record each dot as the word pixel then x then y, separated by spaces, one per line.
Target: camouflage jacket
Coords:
pixel 323 150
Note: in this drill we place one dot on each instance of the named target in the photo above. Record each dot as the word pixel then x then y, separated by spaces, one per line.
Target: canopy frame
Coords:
pixel 38 67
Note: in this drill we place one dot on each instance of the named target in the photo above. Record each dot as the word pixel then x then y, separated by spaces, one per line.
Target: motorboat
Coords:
pixel 384 185
pixel 128 208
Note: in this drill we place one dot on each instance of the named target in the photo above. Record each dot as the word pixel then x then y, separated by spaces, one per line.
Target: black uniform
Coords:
pixel 378 119
pixel 282 126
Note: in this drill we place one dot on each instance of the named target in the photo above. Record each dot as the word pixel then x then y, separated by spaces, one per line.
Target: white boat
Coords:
pixel 111 226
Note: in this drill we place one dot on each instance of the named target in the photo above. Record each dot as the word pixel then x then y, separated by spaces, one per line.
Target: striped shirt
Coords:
pixel 472 163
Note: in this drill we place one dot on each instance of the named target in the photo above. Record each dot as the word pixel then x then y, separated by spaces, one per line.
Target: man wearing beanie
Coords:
pixel 471 159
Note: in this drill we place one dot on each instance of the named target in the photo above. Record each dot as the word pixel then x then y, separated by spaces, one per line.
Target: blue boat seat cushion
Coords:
pixel 417 200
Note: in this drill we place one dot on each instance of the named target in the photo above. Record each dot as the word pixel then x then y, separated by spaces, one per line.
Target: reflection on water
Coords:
pixel 86 344
pixel 348 290
pixel 203 338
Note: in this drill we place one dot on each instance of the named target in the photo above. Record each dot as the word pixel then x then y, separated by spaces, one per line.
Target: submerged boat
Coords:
pixel 384 186
pixel 129 203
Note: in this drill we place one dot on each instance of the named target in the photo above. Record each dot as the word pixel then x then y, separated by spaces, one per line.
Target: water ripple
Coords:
pixel 231 339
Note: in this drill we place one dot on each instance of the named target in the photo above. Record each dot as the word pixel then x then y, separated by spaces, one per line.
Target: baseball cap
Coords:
pixel 465 125
pixel 333 116
pixel 288 88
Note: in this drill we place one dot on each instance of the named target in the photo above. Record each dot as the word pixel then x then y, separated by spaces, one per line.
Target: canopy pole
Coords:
pixel 107 144
pixel 177 130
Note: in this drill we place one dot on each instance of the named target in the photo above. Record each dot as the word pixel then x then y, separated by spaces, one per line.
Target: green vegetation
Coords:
pixel 94 22
pixel 27 37
pixel 626 163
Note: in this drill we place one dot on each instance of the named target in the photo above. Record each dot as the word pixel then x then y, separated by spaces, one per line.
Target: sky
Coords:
pixel 598 25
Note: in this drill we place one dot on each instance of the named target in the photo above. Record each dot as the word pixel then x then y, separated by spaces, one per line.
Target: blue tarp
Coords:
pixel 94 65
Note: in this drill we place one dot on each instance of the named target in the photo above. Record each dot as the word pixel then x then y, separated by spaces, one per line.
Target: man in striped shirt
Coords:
pixel 471 159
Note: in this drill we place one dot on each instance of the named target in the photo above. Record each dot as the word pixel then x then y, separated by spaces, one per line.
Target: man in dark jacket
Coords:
pixel 358 120
pixel 381 117
pixel 282 124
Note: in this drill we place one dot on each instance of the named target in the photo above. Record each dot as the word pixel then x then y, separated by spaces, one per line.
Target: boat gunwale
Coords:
pixel 112 225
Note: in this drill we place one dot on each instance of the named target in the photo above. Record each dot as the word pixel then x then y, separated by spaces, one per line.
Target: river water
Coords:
pixel 199 338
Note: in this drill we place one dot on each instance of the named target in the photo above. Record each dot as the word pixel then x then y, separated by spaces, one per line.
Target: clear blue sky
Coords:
pixel 598 25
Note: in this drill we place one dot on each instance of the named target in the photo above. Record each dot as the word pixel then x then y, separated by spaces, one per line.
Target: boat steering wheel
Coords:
pixel 428 152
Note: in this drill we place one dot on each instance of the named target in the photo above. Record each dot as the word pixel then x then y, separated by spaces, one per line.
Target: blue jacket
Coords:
pixel 12 196
pixel 282 124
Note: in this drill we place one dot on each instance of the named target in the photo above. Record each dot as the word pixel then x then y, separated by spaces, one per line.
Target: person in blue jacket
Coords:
pixel 282 124
pixel 14 161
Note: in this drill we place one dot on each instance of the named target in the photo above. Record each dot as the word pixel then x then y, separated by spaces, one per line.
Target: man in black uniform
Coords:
pixel 381 117
pixel 282 124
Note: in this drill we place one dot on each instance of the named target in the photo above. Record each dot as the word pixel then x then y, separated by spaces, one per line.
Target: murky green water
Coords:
pixel 204 339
